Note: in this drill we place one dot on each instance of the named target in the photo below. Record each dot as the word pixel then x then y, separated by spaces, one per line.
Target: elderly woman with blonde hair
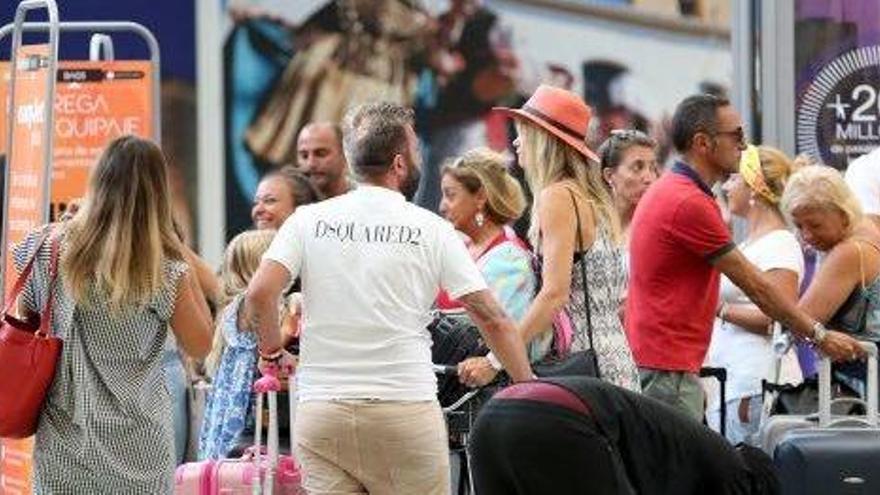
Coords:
pixel 845 292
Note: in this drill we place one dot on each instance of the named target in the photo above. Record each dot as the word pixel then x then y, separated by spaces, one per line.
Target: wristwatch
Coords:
pixel 819 332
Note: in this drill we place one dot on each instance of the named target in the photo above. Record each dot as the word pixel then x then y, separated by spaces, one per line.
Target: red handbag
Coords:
pixel 28 357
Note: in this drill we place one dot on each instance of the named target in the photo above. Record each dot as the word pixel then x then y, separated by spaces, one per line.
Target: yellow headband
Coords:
pixel 753 175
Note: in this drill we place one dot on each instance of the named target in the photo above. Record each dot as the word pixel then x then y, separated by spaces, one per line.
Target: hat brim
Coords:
pixel 577 144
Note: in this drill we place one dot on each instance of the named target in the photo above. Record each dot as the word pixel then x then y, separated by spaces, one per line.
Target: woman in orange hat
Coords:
pixel 575 231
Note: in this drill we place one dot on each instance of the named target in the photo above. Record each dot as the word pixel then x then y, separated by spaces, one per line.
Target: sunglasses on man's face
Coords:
pixel 738 134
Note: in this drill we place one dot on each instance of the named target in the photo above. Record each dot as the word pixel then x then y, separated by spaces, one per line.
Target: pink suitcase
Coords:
pixel 258 471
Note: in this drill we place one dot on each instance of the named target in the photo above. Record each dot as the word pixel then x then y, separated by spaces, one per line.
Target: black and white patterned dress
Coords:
pixel 606 277
pixel 106 426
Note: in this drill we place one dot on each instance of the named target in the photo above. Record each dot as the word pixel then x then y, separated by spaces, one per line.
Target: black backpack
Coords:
pixel 455 338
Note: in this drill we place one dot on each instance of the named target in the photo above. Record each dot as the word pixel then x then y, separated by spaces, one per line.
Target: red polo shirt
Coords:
pixel 677 231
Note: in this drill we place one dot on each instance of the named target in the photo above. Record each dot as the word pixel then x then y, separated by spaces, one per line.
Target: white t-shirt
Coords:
pixel 748 356
pixel 371 265
pixel 863 177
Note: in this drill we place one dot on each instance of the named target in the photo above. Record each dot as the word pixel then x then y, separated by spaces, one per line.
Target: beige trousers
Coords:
pixel 375 447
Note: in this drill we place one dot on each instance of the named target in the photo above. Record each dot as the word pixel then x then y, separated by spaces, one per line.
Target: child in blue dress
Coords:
pixel 232 363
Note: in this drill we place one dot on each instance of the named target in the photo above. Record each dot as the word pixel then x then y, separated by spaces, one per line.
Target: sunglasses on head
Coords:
pixel 625 134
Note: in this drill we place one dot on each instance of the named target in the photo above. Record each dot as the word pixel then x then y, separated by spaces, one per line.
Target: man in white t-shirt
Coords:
pixel 863 177
pixel 371 264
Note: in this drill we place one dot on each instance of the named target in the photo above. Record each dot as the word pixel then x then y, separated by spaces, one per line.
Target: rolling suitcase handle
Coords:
pixel 871 392
pixel 267 385
pixel 781 345
pixel 291 410
pixel 719 374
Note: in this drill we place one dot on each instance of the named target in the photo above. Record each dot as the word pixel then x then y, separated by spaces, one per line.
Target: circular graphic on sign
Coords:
pixel 838 118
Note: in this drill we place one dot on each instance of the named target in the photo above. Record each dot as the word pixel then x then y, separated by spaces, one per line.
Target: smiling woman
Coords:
pixel 278 195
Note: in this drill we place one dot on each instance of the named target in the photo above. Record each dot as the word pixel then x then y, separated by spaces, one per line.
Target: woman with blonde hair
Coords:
pixel 232 363
pixel 481 199
pixel 741 340
pixel 575 231
pixel 845 292
pixel 106 426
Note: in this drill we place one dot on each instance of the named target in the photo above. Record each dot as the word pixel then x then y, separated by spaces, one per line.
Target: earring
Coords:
pixel 479 219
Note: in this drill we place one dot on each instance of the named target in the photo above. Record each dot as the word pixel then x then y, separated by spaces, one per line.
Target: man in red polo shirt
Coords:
pixel 679 246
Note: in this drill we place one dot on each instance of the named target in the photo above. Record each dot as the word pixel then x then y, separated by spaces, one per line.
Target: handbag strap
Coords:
pixel 46 314
pixel 18 286
pixel 583 270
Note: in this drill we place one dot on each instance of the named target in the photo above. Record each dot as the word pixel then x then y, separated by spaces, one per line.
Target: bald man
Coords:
pixel 320 158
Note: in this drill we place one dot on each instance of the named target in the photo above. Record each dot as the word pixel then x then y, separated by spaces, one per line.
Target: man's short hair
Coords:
pixel 698 113
pixel 373 134
pixel 334 127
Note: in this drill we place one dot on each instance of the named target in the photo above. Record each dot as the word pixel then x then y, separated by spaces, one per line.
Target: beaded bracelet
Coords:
pixel 272 357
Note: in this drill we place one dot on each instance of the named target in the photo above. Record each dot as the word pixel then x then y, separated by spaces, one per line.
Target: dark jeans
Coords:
pixel 527 447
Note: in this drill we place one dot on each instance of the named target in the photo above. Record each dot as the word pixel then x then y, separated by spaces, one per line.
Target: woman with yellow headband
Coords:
pixel 741 339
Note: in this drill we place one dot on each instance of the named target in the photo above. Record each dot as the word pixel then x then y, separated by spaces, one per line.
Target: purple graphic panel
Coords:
pixel 837 66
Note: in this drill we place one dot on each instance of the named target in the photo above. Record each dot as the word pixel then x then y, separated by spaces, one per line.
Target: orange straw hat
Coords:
pixel 559 112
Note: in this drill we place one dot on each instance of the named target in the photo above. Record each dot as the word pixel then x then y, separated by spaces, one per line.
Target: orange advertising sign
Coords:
pixel 25 204
pixel 95 102
pixel 5 79
pixel 26 208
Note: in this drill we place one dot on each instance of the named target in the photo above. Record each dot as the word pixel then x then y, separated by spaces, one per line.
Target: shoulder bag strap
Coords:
pixel 46 315
pixel 580 250
pixel 23 276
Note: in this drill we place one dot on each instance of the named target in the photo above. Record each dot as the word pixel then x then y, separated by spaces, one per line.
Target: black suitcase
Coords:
pixel 836 454
pixel 829 461
pixel 719 374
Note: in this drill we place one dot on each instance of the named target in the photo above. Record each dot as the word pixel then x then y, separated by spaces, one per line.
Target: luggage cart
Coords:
pixel 460 416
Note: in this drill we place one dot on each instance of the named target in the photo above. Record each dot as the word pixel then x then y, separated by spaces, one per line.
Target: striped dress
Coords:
pixel 106 426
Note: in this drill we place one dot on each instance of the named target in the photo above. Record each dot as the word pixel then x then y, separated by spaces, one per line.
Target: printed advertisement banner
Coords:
pixel 25 210
pixel 26 168
pixel 95 102
pixel 290 63
pixel 837 62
